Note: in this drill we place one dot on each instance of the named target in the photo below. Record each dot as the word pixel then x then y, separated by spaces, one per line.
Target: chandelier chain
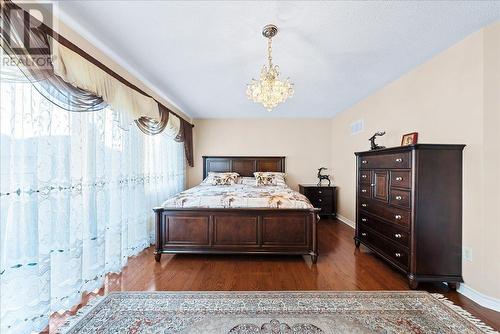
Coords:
pixel 270 51
pixel 269 90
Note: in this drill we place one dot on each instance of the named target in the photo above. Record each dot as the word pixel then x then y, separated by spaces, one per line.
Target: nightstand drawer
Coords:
pixel 319 192
pixel 321 197
pixel 324 203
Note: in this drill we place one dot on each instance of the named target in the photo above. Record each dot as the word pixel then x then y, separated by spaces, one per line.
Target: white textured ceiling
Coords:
pixel 201 54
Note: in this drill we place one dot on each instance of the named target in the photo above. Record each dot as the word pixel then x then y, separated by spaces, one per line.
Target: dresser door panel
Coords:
pixel 381 186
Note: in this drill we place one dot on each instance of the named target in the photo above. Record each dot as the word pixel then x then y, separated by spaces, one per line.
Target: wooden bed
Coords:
pixel 237 231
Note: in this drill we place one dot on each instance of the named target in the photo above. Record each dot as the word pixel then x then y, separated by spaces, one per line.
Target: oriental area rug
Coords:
pixel 273 312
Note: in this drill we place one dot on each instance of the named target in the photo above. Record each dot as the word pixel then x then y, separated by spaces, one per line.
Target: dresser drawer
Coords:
pixel 397 254
pixel 365 176
pixel 365 190
pixel 400 179
pixel 389 231
pixel 400 198
pixel 391 214
pixel 392 160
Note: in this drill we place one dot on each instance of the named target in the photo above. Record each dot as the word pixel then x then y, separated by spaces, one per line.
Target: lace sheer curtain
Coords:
pixel 77 193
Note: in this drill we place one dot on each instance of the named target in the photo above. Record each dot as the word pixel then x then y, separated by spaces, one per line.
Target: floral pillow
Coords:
pixel 221 179
pixel 270 179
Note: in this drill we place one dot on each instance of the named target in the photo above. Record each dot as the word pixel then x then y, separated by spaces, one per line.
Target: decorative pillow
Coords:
pixel 270 179
pixel 219 179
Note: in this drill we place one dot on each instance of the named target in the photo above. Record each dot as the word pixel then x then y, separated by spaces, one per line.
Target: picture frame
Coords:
pixel 409 139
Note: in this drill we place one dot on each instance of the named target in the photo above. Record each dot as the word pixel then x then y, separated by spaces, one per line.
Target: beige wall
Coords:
pixel 453 98
pixel 306 143
pixel 491 167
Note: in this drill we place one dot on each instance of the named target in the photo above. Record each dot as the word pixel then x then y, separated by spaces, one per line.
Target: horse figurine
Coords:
pixel 323 177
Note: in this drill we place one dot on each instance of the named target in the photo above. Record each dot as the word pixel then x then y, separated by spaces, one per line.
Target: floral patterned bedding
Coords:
pixel 239 196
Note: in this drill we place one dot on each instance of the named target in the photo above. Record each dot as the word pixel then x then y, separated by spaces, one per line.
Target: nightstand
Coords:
pixel 322 197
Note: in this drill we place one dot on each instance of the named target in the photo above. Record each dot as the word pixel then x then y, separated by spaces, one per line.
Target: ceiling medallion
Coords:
pixel 269 89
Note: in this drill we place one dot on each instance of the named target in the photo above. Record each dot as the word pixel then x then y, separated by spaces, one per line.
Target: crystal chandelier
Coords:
pixel 269 90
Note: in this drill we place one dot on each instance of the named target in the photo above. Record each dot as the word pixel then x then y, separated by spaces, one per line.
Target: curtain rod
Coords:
pixel 73 47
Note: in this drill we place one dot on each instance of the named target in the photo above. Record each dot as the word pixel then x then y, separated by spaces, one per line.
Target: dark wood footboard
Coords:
pixel 237 231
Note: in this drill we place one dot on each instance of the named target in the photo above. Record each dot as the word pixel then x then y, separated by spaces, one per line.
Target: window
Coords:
pixel 77 193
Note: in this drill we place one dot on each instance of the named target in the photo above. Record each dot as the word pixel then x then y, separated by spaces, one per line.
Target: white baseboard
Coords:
pixel 476 296
pixel 346 221
pixel 480 298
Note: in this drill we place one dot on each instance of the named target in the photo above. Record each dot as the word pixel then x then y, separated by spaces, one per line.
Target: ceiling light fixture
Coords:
pixel 269 89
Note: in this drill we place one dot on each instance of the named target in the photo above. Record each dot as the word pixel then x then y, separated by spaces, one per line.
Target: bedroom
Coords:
pixel 115 115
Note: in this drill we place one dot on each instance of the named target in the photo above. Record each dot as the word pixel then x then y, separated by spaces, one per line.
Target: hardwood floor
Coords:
pixel 340 267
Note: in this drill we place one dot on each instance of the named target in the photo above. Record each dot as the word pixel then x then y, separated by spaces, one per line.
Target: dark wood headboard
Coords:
pixel 245 166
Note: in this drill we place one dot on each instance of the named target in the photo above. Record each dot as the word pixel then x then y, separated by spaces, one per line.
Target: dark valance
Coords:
pixel 29 45
pixel 186 135
pixel 35 61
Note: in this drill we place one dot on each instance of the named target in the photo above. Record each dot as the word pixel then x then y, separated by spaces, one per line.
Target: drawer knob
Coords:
pixel 398 217
pixel 399 160
pixel 364 176
pixel 399 198
pixel 397 236
pixel 319 200
pixel 319 192
pixel 364 161
pixel 364 205
pixel 363 234
pixel 364 219
pixel 397 254
pixel 363 190
pixel 399 178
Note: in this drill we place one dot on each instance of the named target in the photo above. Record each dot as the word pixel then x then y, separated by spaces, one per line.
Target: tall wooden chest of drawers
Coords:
pixel 409 209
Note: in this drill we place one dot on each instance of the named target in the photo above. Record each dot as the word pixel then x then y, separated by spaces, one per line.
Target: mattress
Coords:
pixel 239 196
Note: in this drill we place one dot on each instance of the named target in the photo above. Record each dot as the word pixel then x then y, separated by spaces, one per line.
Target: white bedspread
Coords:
pixel 239 196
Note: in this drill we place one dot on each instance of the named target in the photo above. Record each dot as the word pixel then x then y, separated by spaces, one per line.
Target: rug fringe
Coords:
pixel 465 314
pixel 81 313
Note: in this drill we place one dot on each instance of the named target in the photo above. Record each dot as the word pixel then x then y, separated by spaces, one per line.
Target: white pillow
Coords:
pixel 247 180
